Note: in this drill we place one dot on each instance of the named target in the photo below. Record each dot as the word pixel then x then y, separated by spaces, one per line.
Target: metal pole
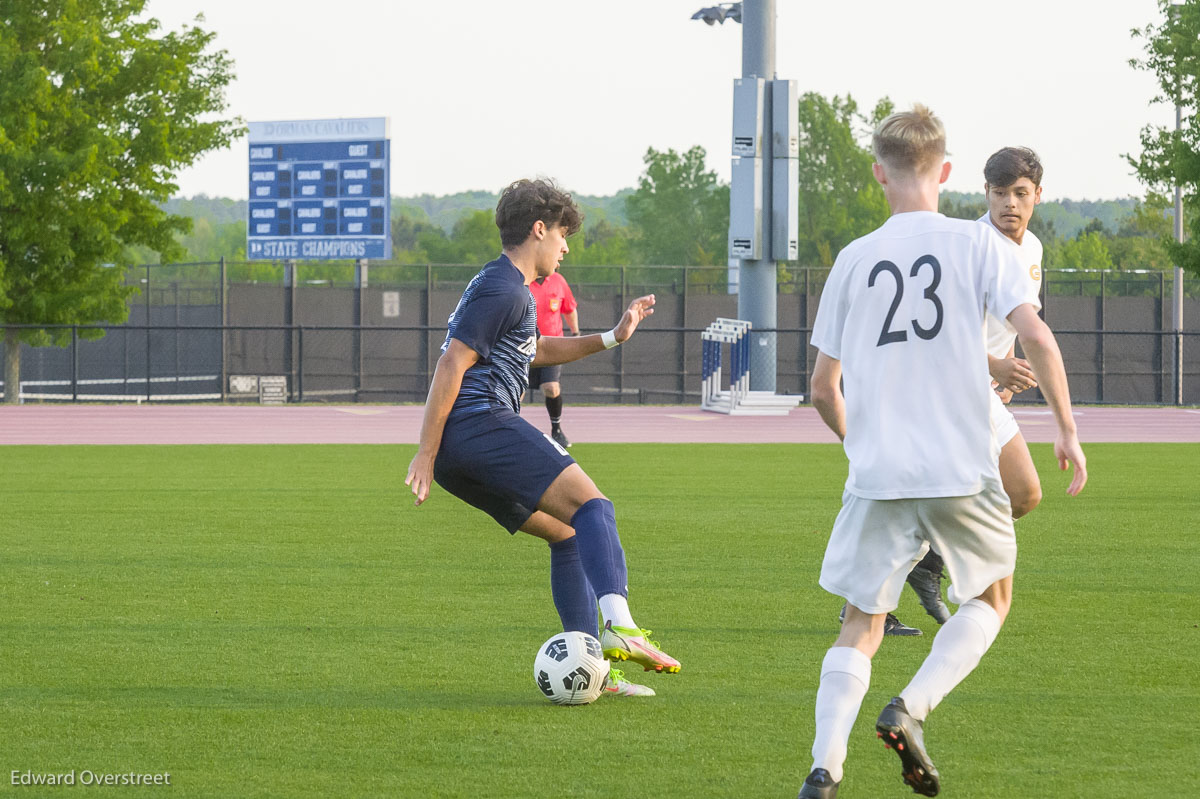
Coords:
pixel 224 337
pixel 1101 335
pixel 289 319
pixel 147 332
pixel 1177 305
pixel 620 354
pixel 1161 323
pixel 300 367
pixel 74 363
pixel 757 285
pixel 175 293
pixel 426 322
pixel 683 340
pixel 360 286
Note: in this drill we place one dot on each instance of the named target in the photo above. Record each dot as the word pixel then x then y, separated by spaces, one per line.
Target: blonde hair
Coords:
pixel 913 141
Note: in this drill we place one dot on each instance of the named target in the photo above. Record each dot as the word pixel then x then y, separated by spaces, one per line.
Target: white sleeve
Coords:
pixel 831 312
pixel 1007 282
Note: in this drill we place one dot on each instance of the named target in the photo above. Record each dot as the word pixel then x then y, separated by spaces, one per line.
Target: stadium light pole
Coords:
pixel 1177 305
pixel 757 280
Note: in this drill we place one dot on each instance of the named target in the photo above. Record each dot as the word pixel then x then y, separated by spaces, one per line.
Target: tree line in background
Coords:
pixel 100 110
pixel 678 214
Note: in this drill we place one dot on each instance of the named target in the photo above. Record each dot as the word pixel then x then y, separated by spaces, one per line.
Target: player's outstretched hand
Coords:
pixel 420 477
pixel 638 310
pixel 1068 452
pixel 1013 374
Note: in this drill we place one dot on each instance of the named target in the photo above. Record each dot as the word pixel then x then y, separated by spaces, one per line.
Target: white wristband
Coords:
pixel 609 339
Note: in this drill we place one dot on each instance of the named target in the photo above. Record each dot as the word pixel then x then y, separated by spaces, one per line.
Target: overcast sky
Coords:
pixel 481 92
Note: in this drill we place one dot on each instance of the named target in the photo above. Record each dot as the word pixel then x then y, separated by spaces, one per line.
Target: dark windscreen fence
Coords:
pixel 191 337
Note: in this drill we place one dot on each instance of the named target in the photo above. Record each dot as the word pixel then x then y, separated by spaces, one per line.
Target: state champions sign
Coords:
pixel 319 190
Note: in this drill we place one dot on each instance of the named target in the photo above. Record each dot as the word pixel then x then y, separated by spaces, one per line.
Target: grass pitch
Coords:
pixel 280 621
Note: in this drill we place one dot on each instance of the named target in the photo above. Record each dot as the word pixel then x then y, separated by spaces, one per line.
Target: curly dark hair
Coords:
pixel 1010 164
pixel 527 201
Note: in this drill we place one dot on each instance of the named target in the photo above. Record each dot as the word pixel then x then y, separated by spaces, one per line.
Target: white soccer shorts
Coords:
pixel 876 542
pixel 1004 424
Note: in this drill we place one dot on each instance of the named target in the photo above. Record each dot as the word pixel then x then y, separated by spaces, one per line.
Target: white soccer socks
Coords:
pixel 845 677
pixel 615 608
pixel 955 653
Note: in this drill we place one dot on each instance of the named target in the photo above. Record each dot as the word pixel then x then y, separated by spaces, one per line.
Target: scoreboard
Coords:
pixel 319 189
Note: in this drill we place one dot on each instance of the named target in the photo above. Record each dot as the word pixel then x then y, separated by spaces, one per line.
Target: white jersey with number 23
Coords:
pixel 903 310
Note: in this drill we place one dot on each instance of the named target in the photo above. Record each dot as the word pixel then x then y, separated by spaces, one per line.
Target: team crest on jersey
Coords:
pixel 555 303
pixel 1035 271
pixel 528 347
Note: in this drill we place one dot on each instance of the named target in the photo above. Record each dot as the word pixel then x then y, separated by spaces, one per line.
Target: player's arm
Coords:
pixel 1042 350
pixel 553 350
pixel 826 386
pixel 1013 375
pixel 572 321
pixel 443 390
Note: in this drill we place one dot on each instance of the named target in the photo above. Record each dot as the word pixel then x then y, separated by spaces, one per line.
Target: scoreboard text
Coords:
pixel 319 199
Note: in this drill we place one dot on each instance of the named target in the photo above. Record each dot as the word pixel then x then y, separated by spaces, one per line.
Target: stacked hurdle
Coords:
pixel 738 400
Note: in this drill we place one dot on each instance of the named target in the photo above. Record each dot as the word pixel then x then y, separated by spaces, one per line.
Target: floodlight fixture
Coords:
pixel 710 15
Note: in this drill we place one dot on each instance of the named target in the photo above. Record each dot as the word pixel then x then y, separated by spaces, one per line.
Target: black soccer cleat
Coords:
pixel 928 587
pixel 893 626
pixel 559 437
pixel 906 735
pixel 819 785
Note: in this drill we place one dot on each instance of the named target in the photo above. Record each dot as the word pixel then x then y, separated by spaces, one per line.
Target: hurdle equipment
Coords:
pixel 738 399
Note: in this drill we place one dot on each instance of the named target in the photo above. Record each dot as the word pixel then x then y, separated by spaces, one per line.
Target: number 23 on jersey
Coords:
pixel 889 336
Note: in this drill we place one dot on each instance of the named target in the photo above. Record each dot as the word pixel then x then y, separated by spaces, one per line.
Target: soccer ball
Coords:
pixel 570 669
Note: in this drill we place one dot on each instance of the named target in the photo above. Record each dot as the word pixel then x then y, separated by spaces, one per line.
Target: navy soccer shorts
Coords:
pixel 499 463
pixel 544 374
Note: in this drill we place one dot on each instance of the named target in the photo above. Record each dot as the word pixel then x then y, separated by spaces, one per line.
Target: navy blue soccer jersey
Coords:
pixel 496 317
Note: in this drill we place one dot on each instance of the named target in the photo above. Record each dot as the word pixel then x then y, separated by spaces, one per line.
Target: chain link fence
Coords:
pixel 208 331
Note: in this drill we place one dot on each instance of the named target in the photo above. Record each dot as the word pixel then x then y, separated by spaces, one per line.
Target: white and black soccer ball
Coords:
pixel 570 669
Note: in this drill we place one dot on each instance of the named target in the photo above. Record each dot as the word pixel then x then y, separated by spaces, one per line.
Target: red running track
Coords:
pixel 401 424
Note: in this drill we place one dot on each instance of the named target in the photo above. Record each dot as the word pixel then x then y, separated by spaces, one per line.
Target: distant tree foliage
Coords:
pixel 1169 158
pixel 679 214
pixel 99 110
pixel 839 197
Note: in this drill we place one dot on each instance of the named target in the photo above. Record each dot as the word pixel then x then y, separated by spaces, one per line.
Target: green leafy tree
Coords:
pixel 476 238
pixel 1085 251
pixel 839 197
pixel 1171 158
pixel 99 111
pixel 962 206
pixel 679 214
pixel 600 244
pixel 1138 243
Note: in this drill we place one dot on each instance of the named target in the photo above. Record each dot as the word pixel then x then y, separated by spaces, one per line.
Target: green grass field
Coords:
pixel 280 621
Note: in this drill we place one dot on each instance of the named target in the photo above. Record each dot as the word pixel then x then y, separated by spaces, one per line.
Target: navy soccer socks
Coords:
pixel 573 596
pixel 600 550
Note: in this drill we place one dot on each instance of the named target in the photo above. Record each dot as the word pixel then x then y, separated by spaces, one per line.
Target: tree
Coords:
pixel 1171 158
pixel 98 113
pixel 839 197
pixel 1086 251
pixel 599 244
pixel 679 214
pixel 476 238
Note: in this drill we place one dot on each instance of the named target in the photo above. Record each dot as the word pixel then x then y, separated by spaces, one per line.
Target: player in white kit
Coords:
pixel 1013 186
pixel 901 323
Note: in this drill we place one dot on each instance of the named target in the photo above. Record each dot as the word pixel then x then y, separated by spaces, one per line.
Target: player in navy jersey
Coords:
pixel 475 445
